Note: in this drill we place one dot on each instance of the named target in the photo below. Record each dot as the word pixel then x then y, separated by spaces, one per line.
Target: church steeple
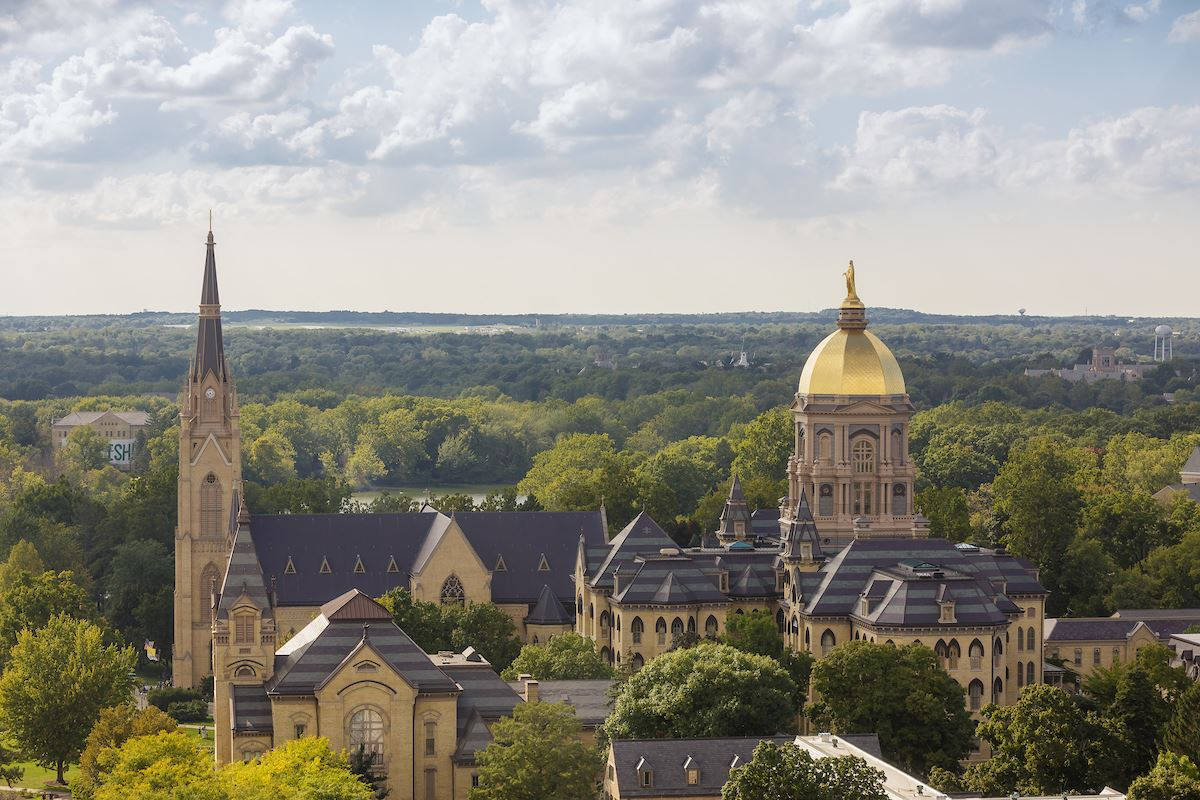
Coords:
pixel 210 345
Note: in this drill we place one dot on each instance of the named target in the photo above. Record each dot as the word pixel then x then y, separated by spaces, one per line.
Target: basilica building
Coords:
pixel 852 560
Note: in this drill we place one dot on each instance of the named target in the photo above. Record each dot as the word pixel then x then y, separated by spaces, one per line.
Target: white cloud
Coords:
pixel 1185 28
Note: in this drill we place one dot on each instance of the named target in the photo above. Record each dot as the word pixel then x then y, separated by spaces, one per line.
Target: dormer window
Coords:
pixel 500 565
pixel 806 551
pixel 691 772
pixel 947 612
pixel 289 568
pixel 243 628
pixel 645 774
pixel 864 607
pixel 325 570
pixel 359 569
pixel 391 567
pixel 724 580
pixel 543 565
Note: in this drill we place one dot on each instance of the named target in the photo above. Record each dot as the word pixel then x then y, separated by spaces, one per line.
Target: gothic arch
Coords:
pixel 452 591
pixel 204 592
pixel 210 505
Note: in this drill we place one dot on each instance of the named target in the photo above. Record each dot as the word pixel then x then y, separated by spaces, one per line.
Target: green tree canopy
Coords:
pixel 900 693
pixel 299 769
pixel 707 690
pixel 787 772
pixel 754 632
pixel 765 445
pixel 1174 777
pixel 115 726
pixel 537 755
pixel 578 473
pixel 56 681
pixel 164 766
pixel 1182 732
pixel 567 656
pixel 435 627
pixel 29 601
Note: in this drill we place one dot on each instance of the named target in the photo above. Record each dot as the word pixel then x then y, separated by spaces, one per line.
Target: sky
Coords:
pixel 971 156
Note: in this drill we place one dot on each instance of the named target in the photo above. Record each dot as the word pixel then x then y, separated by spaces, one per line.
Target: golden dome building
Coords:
pixel 851 451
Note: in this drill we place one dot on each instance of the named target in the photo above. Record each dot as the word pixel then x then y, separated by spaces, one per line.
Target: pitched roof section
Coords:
pixel 666 757
pixel 390 546
pixel 251 709
pixel 1082 629
pixel 134 418
pixel 549 610
pixel 316 652
pixel 354 606
pixel 641 535
pixel 667 580
pixel 803 528
pixel 210 344
pixel 1193 463
pixel 735 509
pixel 243 576
pixel 589 697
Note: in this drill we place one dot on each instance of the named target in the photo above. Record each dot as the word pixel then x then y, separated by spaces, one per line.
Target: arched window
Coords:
pixel 975 652
pixel 799 443
pixel 1030 642
pixel 606 654
pixel 828 642
pixel 975 694
pixel 210 506
pixel 677 627
pixel 591 610
pixel 1029 674
pixel 779 620
pixel 897 453
pixel 997 690
pixel 244 672
pixel 691 624
pixel 807 640
pixel 997 652
pixel 635 629
pixel 1020 638
pixel 955 650
pixel 1020 676
pixel 452 592
pixel 638 661
pixel 825 446
pixel 864 457
pixel 208 579
pixel 579 605
pixel 604 618
pixel 943 651
pixel 366 732
pixel 660 628
pixel 710 626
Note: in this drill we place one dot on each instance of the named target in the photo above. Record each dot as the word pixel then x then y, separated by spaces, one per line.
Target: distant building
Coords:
pixel 1087 643
pixel 1185 648
pixel 119 428
pixel 1102 367
pixel 657 769
pixel 1189 481
pixel 589 699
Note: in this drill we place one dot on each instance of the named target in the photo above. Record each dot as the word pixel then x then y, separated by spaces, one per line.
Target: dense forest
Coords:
pixel 1061 473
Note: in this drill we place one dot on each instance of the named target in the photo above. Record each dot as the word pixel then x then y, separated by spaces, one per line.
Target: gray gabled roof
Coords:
pixel 1082 629
pixel 667 580
pixel 641 535
pixel 307 660
pixel 980 581
pixel 243 575
pixel 251 709
pixel 590 698
pixel 666 759
pixel 485 698
pixel 88 417
pixel 1193 462
pixel 549 610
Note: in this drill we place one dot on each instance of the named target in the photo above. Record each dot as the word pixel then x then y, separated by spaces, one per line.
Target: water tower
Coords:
pixel 1162 343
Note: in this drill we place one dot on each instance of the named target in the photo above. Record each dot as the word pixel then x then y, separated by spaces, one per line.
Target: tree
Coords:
pixel 902 694
pixel 1036 493
pixel 30 601
pixel 1174 777
pixel 486 628
pixel 271 458
pixel 707 690
pixel 1182 732
pixel 947 511
pixel 424 622
pixel 115 726
pixel 165 766
pixel 139 597
pixel 56 681
pixel 753 633
pixel 787 772
pixel 1168 578
pixel 1043 744
pixel 1138 712
pixel 298 770
pixel 567 656
pixel 1128 525
pixel 85 449
pixel 1085 578
pixel 22 558
pixel 8 771
pixel 765 445
pixel 580 472
pixel 671 482
pixel 537 755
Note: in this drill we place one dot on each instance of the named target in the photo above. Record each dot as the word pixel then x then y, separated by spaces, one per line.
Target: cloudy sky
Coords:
pixel 601 155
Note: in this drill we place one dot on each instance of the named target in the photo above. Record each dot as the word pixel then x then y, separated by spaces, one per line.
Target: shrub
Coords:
pixel 188 711
pixel 162 698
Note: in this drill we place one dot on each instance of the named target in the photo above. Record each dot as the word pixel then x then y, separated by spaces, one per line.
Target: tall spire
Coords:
pixel 210 345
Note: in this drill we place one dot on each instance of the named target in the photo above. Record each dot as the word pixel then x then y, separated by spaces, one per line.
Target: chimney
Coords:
pixel 862 528
pixel 529 686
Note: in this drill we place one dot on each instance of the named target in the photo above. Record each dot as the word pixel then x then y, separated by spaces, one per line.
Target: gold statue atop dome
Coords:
pixel 851 300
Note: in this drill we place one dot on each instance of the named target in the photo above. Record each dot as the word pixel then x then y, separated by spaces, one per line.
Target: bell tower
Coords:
pixel 210 474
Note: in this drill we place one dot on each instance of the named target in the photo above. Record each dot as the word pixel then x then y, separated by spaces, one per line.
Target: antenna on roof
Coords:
pixel 210 220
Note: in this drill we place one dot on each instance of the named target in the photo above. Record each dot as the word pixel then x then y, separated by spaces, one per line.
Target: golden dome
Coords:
pixel 851 361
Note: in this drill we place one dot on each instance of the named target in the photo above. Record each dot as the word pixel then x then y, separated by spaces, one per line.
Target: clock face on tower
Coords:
pixel 210 393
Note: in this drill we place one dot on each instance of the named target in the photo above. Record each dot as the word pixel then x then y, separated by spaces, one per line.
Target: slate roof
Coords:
pixel 667 757
pixel 641 535
pixel 589 698
pixel 317 651
pixel 1192 490
pixel 521 537
pixel 210 345
pixel 1082 629
pixel 251 709
pixel 485 698
pixel 666 580
pixel 735 509
pixel 243 576
pixel 978 580
pixel 764 522
pixel 549 610
pixel 802 528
